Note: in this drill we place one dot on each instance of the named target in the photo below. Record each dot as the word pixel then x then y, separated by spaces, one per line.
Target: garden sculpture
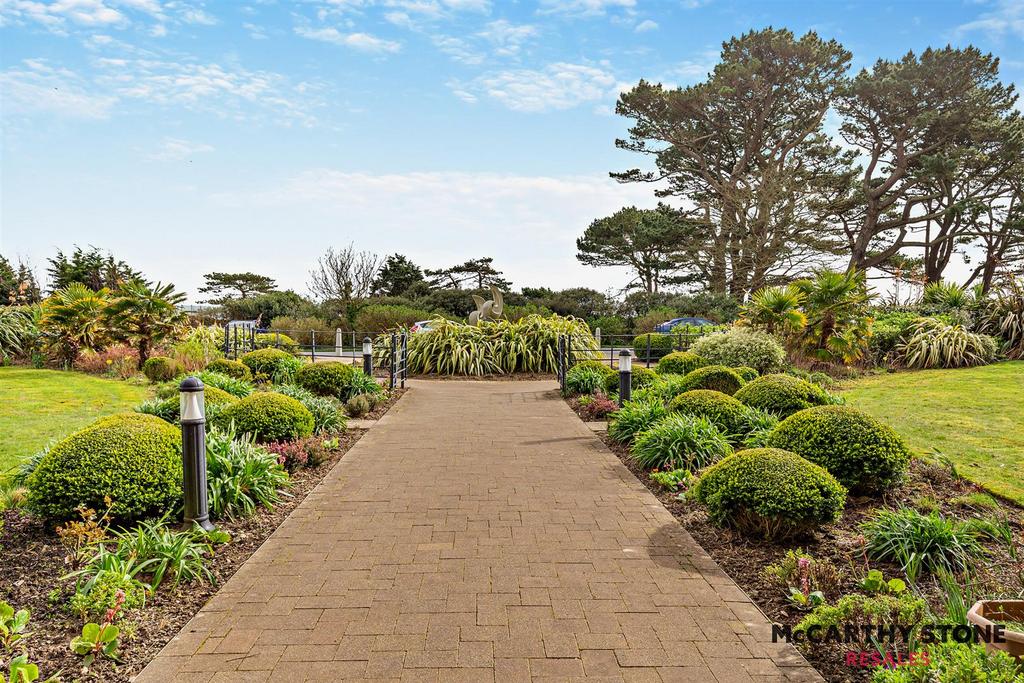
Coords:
pixel 487 310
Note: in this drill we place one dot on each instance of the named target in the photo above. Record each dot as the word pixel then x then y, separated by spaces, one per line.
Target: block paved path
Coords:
pixel 479 532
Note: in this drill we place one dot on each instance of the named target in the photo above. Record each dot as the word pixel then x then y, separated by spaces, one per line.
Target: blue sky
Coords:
pixel 190 136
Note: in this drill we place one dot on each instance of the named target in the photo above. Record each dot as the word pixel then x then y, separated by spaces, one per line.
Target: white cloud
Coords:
pixel 555 87
pixel 363 42
pixel 256 32
pixel 195 15
pixel 646 25
pixel 62 16
pixel 584 8
pixel 37 87
pixel 175 149
pixel 458 49
pixel 1007 17
pixel 506 37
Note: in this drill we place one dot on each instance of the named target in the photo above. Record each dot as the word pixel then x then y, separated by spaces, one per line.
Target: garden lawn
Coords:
pixel 973 416
pixel 37 406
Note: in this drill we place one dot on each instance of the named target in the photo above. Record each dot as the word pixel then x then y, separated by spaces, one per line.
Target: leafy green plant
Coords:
pixel 328 417
pixel 932 343
pixel 357 406
pixel 728 414
pixel 96 640
pixel 16 328
pixel 179 555
pixel 270 416
pixel 239 388
pixel 231 368
pixel 679 363
pixel 902 608
pixel 781 394
pixel 273 363
pixel 770 493
pixel 160 368
pixel 363 384
pixel 109 580
pixel 861 452
pixel 680 442
pixel 951 662
pixel 757 426
pixel 875 582
pixel 1003 317
pixel 715 377
pixel 672 480
pixel 775 310
pixel 739 347
pixel 922 542
pixel 241 475
pixel 13 625
pixel 134 459
pixel 838 325
pixel 946 295
pixel 633 418
pixel 585 378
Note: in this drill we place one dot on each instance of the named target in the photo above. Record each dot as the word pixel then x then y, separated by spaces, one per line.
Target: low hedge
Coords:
pixel 232 368
pixel 161 368
pixel 715 377
pixel 680 363
pixel 269 416
pixel 277 340
pixel 861 452
pixel 658 344
pixel 781 394
pixel 269 362
pixel 728 414
pixel 326 379
pixel 770 493
pixel 134 459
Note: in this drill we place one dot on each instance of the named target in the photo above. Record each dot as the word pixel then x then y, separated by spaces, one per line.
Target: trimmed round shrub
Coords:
pixel 634 417
pixel 277 340
pixel 357 406
pixel 861 452
pixel 770 493
pixel 739 346
pixel 133 458
pixel 268 361
pixel 213 398
pixel 232 368
pixel 747 373
pixel 680 363
pixel 328 417
pixel 680 442
pixel 728 414
pixel 641 378
pixel 160 368
pixel 326 379
pixel 781 394
pixel 659 345
pixel 270 417
pixel 715 377
pixel 588 377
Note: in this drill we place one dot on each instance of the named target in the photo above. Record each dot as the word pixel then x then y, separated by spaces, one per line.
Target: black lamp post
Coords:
pixel 625 376
pixel 193 443
pixel 368 356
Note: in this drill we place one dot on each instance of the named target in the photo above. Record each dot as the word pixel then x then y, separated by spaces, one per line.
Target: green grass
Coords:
pixel 37 406
pixel 973 416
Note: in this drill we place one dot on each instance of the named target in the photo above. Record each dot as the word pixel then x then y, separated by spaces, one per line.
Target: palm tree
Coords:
pixel 73 319
pixel 775 309
pixel 838 326
pixel 144 315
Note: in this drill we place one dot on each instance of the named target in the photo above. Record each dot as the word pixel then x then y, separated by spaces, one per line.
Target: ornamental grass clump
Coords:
pixel 241 475
pixel 781 394
pixel 680 442
pixel 634 417
pixel 931 542
pixel 770 493
pixel 716 377
pixel 867 456
pixel 932 343
pixel 589 377
pixel 133 459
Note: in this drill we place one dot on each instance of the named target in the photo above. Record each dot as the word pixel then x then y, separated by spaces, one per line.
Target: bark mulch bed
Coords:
pixel 928 486
pixel 32 562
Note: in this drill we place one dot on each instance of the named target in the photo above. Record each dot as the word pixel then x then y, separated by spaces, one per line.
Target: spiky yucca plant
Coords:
pixel 932 343
pixel 775 309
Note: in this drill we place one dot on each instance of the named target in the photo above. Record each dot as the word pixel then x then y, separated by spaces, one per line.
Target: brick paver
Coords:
pixel 479 532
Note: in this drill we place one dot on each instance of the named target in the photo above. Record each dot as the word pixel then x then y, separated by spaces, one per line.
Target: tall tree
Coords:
pixel 477 273
pixel 999 231
pixel 144 315
pixel 93 268
pixel 653 243
pixel 8 281
pixel 912 120
pixel 747 152
pixel 74 318
pixel 396 276
pixel 225 286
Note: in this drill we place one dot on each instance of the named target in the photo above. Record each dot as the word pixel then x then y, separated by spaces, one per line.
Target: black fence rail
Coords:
pixel 646 349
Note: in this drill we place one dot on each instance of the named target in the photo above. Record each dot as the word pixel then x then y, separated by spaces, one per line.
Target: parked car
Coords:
pixel 421 326
pixel 666 327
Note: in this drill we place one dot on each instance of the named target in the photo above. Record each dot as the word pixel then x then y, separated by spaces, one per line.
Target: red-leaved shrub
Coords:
pixel 118 360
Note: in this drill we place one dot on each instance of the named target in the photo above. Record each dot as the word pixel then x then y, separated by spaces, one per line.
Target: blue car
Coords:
pixel 666 327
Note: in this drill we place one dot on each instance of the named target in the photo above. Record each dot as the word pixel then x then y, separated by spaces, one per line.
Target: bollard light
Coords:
pixel 193 451
pixel 625 376
pixel 368 356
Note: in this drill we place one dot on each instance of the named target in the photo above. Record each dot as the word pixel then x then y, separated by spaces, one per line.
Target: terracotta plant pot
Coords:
pixel 991 612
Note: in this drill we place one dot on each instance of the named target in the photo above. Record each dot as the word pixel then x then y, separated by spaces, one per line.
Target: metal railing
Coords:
pixel 399 365
pixel 317 345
